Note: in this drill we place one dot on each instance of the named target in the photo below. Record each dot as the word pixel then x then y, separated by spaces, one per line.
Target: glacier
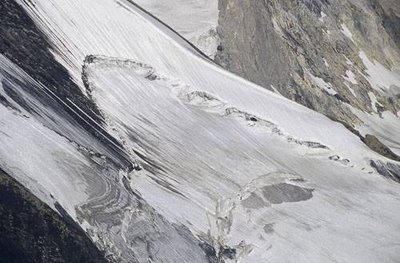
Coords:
pixel 195 163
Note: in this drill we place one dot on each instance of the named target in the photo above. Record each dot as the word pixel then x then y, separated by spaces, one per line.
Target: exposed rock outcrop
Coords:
pixel 30 231
pixel 314 52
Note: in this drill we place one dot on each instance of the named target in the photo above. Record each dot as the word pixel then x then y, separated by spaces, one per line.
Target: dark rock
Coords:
pixel 388 170
pixel 375 144
pixel 210 252
pixel 371 141
pixel 30 231
pixel 227 252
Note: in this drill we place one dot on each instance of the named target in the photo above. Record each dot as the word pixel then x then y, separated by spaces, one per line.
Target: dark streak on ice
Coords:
pixel 10 85
pixel 27 47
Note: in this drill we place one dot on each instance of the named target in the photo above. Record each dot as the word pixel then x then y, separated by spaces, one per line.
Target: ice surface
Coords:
pixel 182 139
pixel 37 156
pixel 60 162
pixel 216 151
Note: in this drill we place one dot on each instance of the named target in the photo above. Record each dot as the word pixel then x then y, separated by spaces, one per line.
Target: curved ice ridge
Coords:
pixel 214 105
pixel 102 62
pixel 185 93
pixel 254 121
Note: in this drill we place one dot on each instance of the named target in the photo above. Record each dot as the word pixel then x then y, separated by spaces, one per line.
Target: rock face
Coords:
pixel 30 231
pixel 319 53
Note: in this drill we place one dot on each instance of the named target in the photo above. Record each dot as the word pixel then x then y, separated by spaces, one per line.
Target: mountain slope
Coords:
pixel 200 20
pixel 190 163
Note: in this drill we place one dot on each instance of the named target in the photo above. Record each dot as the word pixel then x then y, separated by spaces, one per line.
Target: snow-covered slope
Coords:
pixel 61 163
pixel 229 170
pixel 195 20
pixel 240 180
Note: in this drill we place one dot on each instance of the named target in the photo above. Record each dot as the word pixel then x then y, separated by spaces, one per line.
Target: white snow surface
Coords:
pixel 350 77
pixel 214 145
pixel 196 20
pixel 381 78
pixel 38 157
pixel 322 17
pixel 386 127
pixel 374 101
pixel 346 31
pixel 322 84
